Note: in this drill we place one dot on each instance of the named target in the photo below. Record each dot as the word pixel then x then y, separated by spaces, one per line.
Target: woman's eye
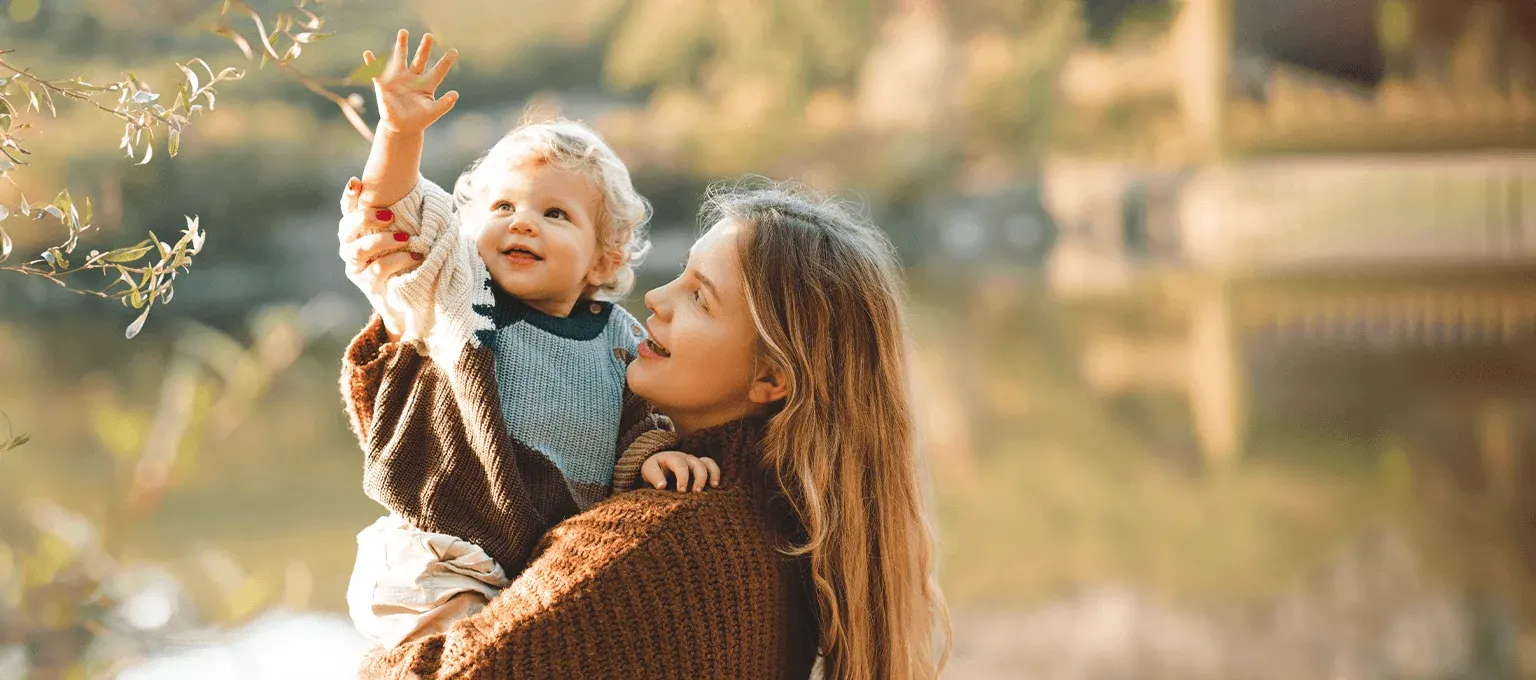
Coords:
pixel 555 214
pixel 698 298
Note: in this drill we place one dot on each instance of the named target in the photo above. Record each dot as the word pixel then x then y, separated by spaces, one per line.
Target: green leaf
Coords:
pixel 23 11
pixel 136 299
pixel 17 442
pixel 365 74
pixel 5 245
pixel 138 324
pixel 31 96
pixel 126 255
pixel 192 85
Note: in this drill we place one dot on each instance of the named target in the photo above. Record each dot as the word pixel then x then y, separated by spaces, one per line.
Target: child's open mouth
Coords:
pixel 520 254
pixel 656 348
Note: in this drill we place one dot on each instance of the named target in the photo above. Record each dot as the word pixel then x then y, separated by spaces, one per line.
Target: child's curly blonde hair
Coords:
pixel 570 145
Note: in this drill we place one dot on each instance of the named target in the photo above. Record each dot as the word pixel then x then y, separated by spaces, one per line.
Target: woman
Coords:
pixel 779 353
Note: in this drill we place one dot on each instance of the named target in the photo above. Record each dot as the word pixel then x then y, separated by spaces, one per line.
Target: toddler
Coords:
pixel 513 418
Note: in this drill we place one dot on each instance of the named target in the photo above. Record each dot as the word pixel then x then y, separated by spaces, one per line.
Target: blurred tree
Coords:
pixel 142 274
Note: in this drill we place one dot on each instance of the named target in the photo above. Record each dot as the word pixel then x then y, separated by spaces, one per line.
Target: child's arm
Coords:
pixel 417 216
pixel 408 105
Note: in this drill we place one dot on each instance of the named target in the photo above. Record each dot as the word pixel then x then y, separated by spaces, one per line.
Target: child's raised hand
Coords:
pixel 407 92
pixel 683 467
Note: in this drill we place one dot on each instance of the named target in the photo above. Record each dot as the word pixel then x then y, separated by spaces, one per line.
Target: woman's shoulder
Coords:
pixel 636 522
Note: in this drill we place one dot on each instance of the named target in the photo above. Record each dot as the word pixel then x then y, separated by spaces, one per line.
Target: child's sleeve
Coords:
pixel 445 281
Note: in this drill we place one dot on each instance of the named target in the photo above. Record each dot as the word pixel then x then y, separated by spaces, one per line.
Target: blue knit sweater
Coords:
pixel 547 367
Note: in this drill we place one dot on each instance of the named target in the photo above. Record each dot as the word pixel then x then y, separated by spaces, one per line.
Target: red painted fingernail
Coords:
pixel 402 236
pixel 418 256
pixel 383 215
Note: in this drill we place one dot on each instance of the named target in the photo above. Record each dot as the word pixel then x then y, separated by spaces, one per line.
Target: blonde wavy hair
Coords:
pixel 623 214
pixel 825 293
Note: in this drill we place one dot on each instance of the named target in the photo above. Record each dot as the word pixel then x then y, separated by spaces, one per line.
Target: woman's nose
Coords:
pixel 654 301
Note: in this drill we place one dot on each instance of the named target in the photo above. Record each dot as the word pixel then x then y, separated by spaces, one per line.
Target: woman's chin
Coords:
pixel 640 378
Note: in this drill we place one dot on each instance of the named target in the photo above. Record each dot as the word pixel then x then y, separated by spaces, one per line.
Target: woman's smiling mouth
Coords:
pixel 653 350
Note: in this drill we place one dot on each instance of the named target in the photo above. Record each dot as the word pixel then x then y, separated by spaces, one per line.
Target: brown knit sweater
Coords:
pixel 647 584
pixel 438 454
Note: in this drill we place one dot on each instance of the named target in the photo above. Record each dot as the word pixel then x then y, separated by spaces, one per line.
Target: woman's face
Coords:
pixel 699 366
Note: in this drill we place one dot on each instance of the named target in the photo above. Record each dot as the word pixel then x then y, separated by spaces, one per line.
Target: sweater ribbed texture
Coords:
pixel 438 454
pixel 647 584
pixel 546 366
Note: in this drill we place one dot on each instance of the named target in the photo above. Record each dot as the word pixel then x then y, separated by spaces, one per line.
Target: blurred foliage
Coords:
pixel 73 594
pixel 146 270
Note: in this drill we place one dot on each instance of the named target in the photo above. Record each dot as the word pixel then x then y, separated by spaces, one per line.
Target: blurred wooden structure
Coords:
pixel 1321 219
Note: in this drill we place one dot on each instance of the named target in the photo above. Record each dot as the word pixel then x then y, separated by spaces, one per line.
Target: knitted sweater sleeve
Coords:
pixel 436 451
pixel 442 288
pixel 615 589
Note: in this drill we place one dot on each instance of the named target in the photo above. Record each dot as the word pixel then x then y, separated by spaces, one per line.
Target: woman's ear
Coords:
pixel 769 386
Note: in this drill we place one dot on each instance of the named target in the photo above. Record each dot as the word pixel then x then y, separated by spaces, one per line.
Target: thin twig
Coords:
pixel 309 82
pixel 72 94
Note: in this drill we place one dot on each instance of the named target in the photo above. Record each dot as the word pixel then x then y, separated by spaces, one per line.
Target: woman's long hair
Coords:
pixel 825 292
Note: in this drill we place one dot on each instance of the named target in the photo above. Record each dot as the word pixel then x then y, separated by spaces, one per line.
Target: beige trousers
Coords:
pixel 408 583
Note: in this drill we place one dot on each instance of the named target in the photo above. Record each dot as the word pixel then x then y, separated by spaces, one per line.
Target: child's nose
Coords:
pixel 523 223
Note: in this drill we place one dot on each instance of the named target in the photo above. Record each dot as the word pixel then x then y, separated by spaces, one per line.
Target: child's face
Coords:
pixel 539 240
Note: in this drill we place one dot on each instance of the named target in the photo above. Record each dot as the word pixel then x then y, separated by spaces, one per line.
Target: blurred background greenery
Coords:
pixel 1224 312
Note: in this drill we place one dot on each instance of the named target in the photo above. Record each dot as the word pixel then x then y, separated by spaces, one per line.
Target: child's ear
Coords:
pixel 604 268
pixel 770 386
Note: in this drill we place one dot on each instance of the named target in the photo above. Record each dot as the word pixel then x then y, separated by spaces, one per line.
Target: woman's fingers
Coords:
pixel 365 221
pixel 714 471
pixel 363 250
pixel 423 54
pixel 389 265
pixel 350 195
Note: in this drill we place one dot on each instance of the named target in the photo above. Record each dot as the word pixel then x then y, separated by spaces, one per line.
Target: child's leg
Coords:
pixel 409 583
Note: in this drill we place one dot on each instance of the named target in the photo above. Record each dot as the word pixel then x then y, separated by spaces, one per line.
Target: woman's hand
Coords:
pixel 373 252
pixel 407 93
pixel 683 467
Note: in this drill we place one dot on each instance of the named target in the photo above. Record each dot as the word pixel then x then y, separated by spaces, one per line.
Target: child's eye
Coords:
pixel 502 206
pixel 555 214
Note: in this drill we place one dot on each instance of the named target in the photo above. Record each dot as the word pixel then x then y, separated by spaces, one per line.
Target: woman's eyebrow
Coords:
pixel 708 284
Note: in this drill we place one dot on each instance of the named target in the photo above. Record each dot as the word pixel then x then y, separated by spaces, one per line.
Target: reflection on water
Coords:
pixel 1083 534
pixel 279 645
